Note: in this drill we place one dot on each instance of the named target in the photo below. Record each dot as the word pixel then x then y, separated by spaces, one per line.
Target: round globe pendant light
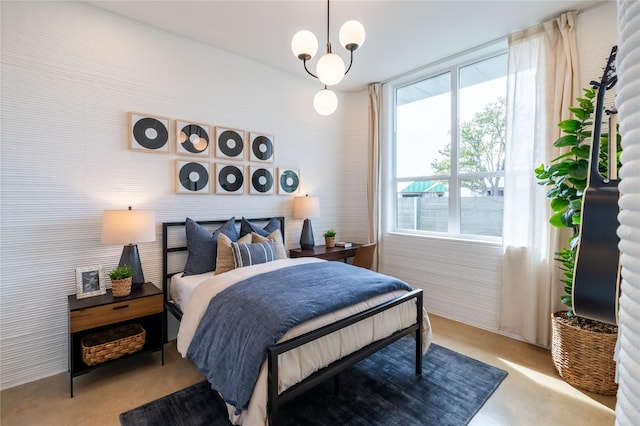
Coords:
pixel 325 102
pixel 330 68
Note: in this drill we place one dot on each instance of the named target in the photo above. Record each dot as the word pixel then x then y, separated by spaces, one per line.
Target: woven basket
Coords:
pixel 121 288
pixel 584 358
pixel 111 344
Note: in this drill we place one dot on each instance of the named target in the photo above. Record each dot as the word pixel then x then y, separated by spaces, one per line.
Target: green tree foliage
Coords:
pixel 481 149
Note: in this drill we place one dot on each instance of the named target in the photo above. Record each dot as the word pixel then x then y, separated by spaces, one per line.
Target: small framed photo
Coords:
pixel 261 147
pixel 262 181
pixel 229 143
pixel 288 181
pixel 148 133
pixel 192 138
pixel 192 177
pixel 90 281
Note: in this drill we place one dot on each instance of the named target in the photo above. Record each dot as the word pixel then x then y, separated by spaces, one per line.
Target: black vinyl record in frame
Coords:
pixel 261 180
pixel 229 179
pixel 192 177
pixel 261 147
pixel 230 143
pixel 148 133
pixel 192 138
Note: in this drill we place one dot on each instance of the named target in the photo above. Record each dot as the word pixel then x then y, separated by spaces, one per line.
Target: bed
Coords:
pixel 312 350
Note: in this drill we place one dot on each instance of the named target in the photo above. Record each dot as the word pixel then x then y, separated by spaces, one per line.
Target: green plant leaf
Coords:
pixel 559 169
pixel 579 169
pixel 558 204
pixel 582 151
pixel 566 140
pixel 576 204
pixel 581 113
pixel 556 220
pixel 570 125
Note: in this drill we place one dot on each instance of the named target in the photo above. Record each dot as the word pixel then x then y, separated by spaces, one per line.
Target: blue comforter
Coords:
pixel 230 343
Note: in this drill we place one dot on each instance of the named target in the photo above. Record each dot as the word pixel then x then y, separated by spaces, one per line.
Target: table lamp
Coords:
pixel 129 227
pixel 305 208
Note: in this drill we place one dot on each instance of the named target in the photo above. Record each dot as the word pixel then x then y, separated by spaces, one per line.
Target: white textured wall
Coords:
pixel 70 74
pixel 628 102
pixel 462 279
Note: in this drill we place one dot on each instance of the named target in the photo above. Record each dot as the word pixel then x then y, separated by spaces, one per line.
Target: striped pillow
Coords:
pixel 253 254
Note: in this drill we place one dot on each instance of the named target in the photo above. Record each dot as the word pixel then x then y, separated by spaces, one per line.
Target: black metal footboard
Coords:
pixel 274 400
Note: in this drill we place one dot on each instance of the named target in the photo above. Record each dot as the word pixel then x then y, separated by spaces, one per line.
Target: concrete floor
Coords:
pixel 532 393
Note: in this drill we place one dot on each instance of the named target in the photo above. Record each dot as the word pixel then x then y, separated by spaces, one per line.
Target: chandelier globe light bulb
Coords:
pixel 351 35
pixel 304 45
pixel 325 102
pixel 330 69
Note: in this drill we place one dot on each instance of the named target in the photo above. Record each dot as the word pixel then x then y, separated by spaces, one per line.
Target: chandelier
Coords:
pixel 330 68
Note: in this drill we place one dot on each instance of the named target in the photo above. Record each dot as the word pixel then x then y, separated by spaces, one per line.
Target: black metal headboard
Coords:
pixel 174 245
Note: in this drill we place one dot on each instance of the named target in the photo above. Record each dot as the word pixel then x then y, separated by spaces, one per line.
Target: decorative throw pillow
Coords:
pixel 253 254
pixel 247 227
pixel 202 245
pixel 225 260
pixel 276 237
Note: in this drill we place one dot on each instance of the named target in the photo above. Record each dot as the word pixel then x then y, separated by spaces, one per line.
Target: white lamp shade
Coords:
pixel 325 102
pixel 306 207
pixel 330 69
pixel 304 43
pixel 128 226
pixel 351 35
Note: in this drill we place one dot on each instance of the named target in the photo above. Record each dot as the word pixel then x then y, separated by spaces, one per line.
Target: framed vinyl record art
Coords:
pixel 261 180
pixel 230 143
pixel 192 177
pixel 148 133
pixel 229 179
pixel 192 138
pixel 288 181
pixel 261 147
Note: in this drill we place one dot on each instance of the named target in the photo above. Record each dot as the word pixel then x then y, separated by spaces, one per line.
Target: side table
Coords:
pixel 143 306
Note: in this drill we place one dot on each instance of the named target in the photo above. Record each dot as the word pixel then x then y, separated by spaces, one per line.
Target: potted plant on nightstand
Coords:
pixel 581 349
pixel 121 281
pixel 330 238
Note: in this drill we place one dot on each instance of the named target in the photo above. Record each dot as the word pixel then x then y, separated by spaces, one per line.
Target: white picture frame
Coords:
pixel 90 281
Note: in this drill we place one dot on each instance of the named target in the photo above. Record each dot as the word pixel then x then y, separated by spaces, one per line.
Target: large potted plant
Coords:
pixel 582 349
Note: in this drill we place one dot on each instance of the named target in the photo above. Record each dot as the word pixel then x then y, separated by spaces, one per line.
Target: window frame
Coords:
pixel 389 198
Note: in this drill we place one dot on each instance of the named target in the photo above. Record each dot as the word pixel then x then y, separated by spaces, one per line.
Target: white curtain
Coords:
pixel 628 102
pixel 542 84
pixel 373 179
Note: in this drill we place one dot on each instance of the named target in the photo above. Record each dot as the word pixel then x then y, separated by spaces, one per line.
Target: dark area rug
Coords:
pixel 380 390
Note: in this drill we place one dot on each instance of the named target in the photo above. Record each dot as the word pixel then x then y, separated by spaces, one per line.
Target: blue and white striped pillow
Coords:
pixel 253 254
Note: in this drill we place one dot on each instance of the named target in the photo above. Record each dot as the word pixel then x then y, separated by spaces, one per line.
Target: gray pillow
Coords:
pixel 247 227
pixel 253 254
pixel 202 245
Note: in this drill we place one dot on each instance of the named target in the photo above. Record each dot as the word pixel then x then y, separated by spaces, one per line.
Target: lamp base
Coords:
pixel 131 257
pixel 306 238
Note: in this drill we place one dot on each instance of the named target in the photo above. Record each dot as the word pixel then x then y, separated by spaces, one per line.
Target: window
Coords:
pixel 448 181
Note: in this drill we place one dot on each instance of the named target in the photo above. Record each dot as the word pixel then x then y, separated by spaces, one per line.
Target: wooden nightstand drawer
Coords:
pixel 84 319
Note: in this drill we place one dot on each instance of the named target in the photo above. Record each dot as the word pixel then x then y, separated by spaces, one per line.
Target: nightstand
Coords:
pixel 327 253
pixel 143 306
